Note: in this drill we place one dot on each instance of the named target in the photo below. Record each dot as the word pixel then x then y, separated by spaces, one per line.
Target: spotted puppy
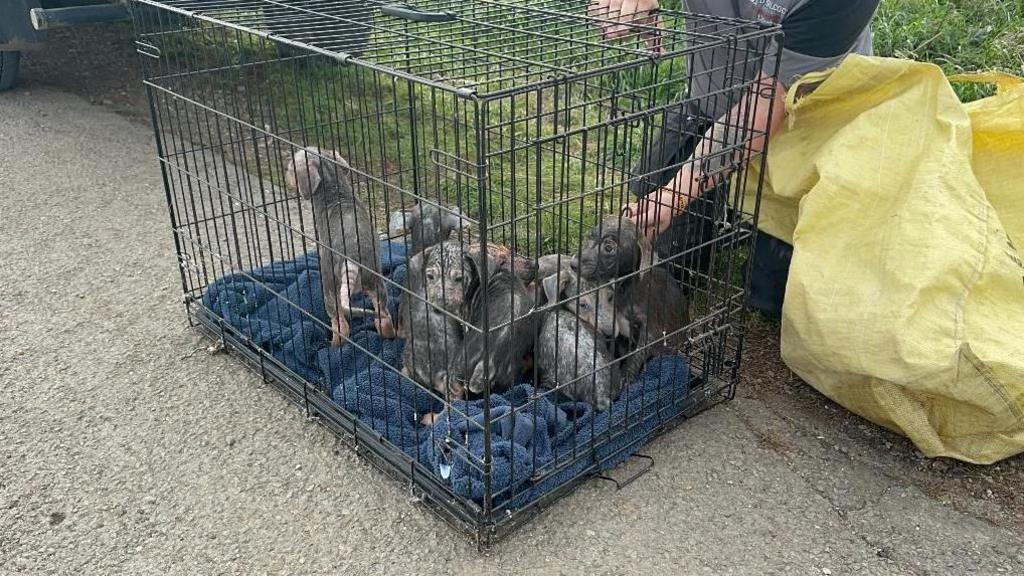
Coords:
pixel 432 337
pixel 572 354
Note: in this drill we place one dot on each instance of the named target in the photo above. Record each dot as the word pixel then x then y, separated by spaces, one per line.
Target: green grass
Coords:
pixel 958 35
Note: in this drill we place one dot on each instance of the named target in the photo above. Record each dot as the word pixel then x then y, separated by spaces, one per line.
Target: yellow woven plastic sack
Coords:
pixel 905 301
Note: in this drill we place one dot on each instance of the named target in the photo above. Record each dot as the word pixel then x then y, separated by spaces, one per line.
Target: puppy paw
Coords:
pixel 458 392
pixel 341 333
pixel 385 327
pixel 477 382
pixel 428 419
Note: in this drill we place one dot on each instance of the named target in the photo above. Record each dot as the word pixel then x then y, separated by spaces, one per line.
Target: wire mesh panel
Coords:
pixel 411 219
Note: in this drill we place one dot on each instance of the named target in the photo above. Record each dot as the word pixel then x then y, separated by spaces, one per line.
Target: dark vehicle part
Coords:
pixel 23 25
pixel 48 19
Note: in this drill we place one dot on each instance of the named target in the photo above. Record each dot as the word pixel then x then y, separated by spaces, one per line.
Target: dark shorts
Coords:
pixel 698 225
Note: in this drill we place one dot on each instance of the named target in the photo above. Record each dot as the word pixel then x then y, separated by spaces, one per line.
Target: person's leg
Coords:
pixel 768 275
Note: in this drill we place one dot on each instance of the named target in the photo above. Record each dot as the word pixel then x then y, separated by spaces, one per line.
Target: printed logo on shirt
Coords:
pixel 768 11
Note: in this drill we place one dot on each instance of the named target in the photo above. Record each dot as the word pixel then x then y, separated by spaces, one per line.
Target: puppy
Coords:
pixel 427 224
pixel 592 303
pixel 654 311
pixel 453 282
pixel 431 337
pixel 613 249
pixel 509 317
pixel 572 356
pixel 343 224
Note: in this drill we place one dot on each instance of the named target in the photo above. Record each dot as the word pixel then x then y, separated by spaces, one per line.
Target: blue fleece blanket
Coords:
pixel 536 440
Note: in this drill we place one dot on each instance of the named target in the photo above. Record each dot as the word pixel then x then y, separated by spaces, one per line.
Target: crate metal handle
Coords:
pixel 416 15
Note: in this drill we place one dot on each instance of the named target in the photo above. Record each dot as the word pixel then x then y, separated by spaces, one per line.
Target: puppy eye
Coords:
pixel 431 277
pixel 457 278
pixel 608 246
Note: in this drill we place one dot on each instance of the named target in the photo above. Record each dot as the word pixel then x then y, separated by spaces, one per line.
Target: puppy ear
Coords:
pixel 471 261
pixel 304 173
pixel 551 288
pixel 647 254
pixel 567 279
pixel 629 248
pixel 414 272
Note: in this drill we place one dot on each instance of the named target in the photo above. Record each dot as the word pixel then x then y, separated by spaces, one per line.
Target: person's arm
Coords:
pixel 758 112
pixel 817 36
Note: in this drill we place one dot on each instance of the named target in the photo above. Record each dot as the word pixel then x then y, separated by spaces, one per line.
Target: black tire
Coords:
pixel 8 68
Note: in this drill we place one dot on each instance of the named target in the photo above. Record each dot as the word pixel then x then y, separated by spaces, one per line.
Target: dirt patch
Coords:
pixel 100 65
pixel 988 492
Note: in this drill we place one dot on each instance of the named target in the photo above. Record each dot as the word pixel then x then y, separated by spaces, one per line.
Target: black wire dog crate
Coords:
pixel 410 219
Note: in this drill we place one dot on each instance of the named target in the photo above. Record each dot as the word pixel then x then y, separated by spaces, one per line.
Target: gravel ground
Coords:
pixel 126 448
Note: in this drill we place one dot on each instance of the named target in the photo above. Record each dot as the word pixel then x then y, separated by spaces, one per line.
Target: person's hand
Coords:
pixel 626 12
pixel 654 212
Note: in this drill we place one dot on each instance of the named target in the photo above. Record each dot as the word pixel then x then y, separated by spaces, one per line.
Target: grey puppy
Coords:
pixel 571 354
pixel 613 249
pixel 427 224
pixel 452 282
pixel 654 311
pixel 492 361
pixel 432 337
pixel 350 264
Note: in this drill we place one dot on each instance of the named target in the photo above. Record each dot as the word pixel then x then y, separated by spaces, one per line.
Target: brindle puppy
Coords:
pixel 452 281
pixel 572 354
pixel 431 336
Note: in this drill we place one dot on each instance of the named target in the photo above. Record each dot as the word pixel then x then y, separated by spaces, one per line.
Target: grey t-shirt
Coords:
pixel 818 35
